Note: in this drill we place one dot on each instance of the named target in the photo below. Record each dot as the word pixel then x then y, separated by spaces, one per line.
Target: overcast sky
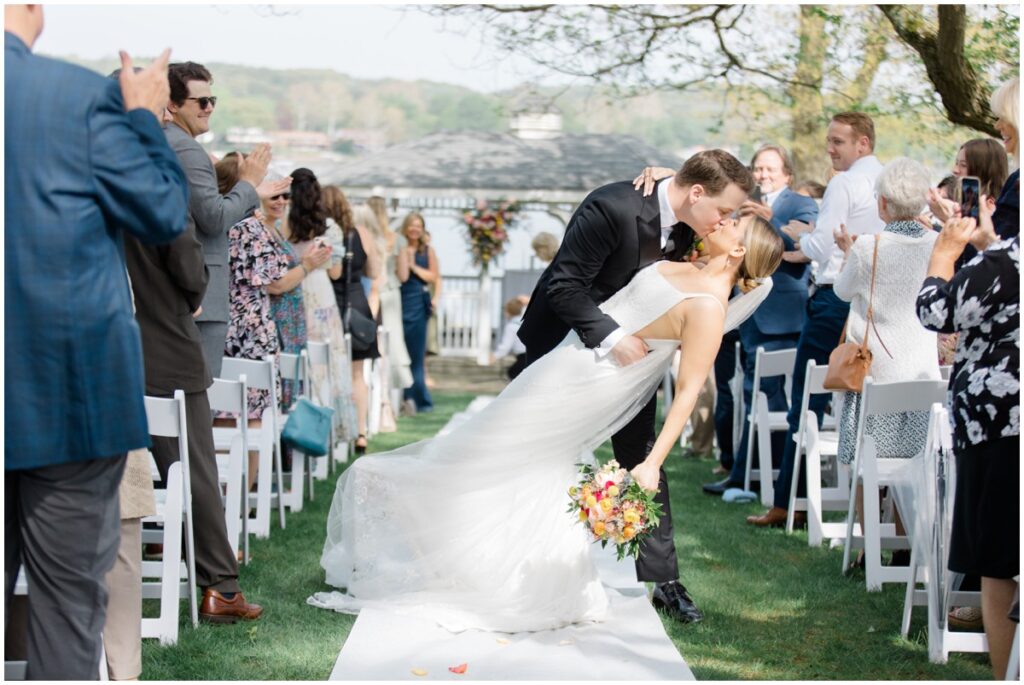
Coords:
pixel 365 41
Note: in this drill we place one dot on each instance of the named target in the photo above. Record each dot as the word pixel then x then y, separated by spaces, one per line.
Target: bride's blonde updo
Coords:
pixel 764 254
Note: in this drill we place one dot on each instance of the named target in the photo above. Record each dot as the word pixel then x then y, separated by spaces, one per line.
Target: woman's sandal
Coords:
pixel 361 449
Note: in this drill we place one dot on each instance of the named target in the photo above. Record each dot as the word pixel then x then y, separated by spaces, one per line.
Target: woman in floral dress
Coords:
pixel 258 267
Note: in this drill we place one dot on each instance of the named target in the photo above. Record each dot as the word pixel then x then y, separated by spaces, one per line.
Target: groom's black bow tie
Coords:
pixel 672 244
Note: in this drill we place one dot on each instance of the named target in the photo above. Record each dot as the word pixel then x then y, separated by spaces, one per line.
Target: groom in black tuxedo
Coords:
pixel 614 233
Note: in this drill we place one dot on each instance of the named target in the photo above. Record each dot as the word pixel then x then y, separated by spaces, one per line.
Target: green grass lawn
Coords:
pixel 775 609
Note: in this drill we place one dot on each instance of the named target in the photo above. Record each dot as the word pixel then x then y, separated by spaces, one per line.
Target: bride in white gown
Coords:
pixel 471 528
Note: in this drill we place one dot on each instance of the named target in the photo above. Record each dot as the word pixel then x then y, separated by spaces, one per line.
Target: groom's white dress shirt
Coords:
pixel 668 221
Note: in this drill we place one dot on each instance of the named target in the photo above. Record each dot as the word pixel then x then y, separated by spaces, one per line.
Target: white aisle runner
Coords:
pixel 630 644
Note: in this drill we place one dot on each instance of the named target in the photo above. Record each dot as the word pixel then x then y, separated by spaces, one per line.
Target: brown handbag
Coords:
pixel 849 363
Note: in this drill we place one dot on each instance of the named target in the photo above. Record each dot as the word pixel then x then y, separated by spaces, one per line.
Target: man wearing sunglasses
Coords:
pixel 178 358
pixel 191 105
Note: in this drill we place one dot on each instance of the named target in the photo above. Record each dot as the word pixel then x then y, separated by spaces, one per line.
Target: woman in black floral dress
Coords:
pixel 982 303
pixel 258 266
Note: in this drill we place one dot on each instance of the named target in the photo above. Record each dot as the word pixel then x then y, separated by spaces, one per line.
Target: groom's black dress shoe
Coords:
pixel 673 599
pixel 718 487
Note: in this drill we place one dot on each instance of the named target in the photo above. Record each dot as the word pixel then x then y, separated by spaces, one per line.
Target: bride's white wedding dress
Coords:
pixel 471 528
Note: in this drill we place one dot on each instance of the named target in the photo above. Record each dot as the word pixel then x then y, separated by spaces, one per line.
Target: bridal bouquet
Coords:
pixel 614 508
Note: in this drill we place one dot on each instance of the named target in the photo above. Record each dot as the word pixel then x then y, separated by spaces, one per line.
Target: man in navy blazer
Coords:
pixel 777 323
pixel 86 161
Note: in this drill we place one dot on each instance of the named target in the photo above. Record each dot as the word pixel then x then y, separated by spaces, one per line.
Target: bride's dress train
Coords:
pixel 471 529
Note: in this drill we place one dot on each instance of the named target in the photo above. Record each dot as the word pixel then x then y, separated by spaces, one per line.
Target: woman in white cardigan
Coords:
pixel 904 249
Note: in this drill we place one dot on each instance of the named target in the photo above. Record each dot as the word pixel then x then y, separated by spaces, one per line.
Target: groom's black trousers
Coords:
pixel 631 445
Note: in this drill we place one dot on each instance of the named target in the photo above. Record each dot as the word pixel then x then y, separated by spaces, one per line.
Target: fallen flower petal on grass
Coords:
pixel 419 671
pixel 459 670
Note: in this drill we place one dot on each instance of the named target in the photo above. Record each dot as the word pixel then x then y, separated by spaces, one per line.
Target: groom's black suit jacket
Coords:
pixel 614 233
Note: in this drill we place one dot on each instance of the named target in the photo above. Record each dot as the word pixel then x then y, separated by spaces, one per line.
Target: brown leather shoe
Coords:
pixel 216 608
pixel 774 518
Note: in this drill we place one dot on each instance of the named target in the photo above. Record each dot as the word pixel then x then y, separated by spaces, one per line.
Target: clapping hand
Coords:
pixel 751 207
pixel 794 229
pixel 253 167
pixel 943 208
pixel 649 177
pixel 317 256
pixel 269 189
pixel 844 241
pixel 147 89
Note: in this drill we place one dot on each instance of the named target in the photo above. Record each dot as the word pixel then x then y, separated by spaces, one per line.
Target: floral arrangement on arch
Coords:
pixel 487 229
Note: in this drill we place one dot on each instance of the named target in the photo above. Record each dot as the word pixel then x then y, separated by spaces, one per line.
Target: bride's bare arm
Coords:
pixel 701 338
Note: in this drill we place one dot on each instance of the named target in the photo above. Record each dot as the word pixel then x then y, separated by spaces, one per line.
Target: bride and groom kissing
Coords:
pixel 470 528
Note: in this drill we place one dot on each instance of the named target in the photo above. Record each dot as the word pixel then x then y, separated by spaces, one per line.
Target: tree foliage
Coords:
pixel 809 60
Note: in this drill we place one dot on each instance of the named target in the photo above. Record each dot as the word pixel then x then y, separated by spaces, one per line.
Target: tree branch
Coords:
pixel 941 49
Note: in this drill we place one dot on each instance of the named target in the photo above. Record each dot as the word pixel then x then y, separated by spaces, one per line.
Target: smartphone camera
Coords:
pixel 970 196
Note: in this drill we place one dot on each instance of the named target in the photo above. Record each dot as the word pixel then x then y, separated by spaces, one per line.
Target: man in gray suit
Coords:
pixel 211 214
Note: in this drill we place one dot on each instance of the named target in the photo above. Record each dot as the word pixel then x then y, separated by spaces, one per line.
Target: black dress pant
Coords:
pixel 63 523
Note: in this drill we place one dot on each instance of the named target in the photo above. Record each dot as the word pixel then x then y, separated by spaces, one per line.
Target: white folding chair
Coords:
pixel 738 408
pixel 375 386
pixel 320 357
pixel 927 558
pixel 260 374
pixel 817 446
pixel 233 467
pixel 763 421
pixel 166 418
pixel 874 472
pixel 296 366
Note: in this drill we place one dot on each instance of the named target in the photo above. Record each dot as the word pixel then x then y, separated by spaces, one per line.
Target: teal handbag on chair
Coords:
pixel 308 427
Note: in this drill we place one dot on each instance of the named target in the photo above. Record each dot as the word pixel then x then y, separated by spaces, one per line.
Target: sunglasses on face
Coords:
pixel 204 101
pixel 282 196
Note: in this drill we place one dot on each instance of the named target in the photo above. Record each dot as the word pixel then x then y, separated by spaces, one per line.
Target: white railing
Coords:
pixel 466 328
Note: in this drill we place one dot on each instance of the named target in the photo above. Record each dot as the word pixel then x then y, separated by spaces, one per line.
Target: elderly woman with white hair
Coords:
pixel 903 349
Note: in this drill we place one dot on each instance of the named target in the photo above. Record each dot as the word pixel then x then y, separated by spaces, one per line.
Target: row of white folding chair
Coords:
pixel 258 374
pixel 382 377
pixel 320 357
pixel 174 579
pixel 926 562
pixel 813 446
pixel 297 366
pixel 764 422
pixel 739 408
pixel 874 472
pixel 817 446
pixel 233 466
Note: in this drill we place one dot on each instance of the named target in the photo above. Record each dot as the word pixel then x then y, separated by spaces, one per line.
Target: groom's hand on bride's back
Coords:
pixel 629 350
